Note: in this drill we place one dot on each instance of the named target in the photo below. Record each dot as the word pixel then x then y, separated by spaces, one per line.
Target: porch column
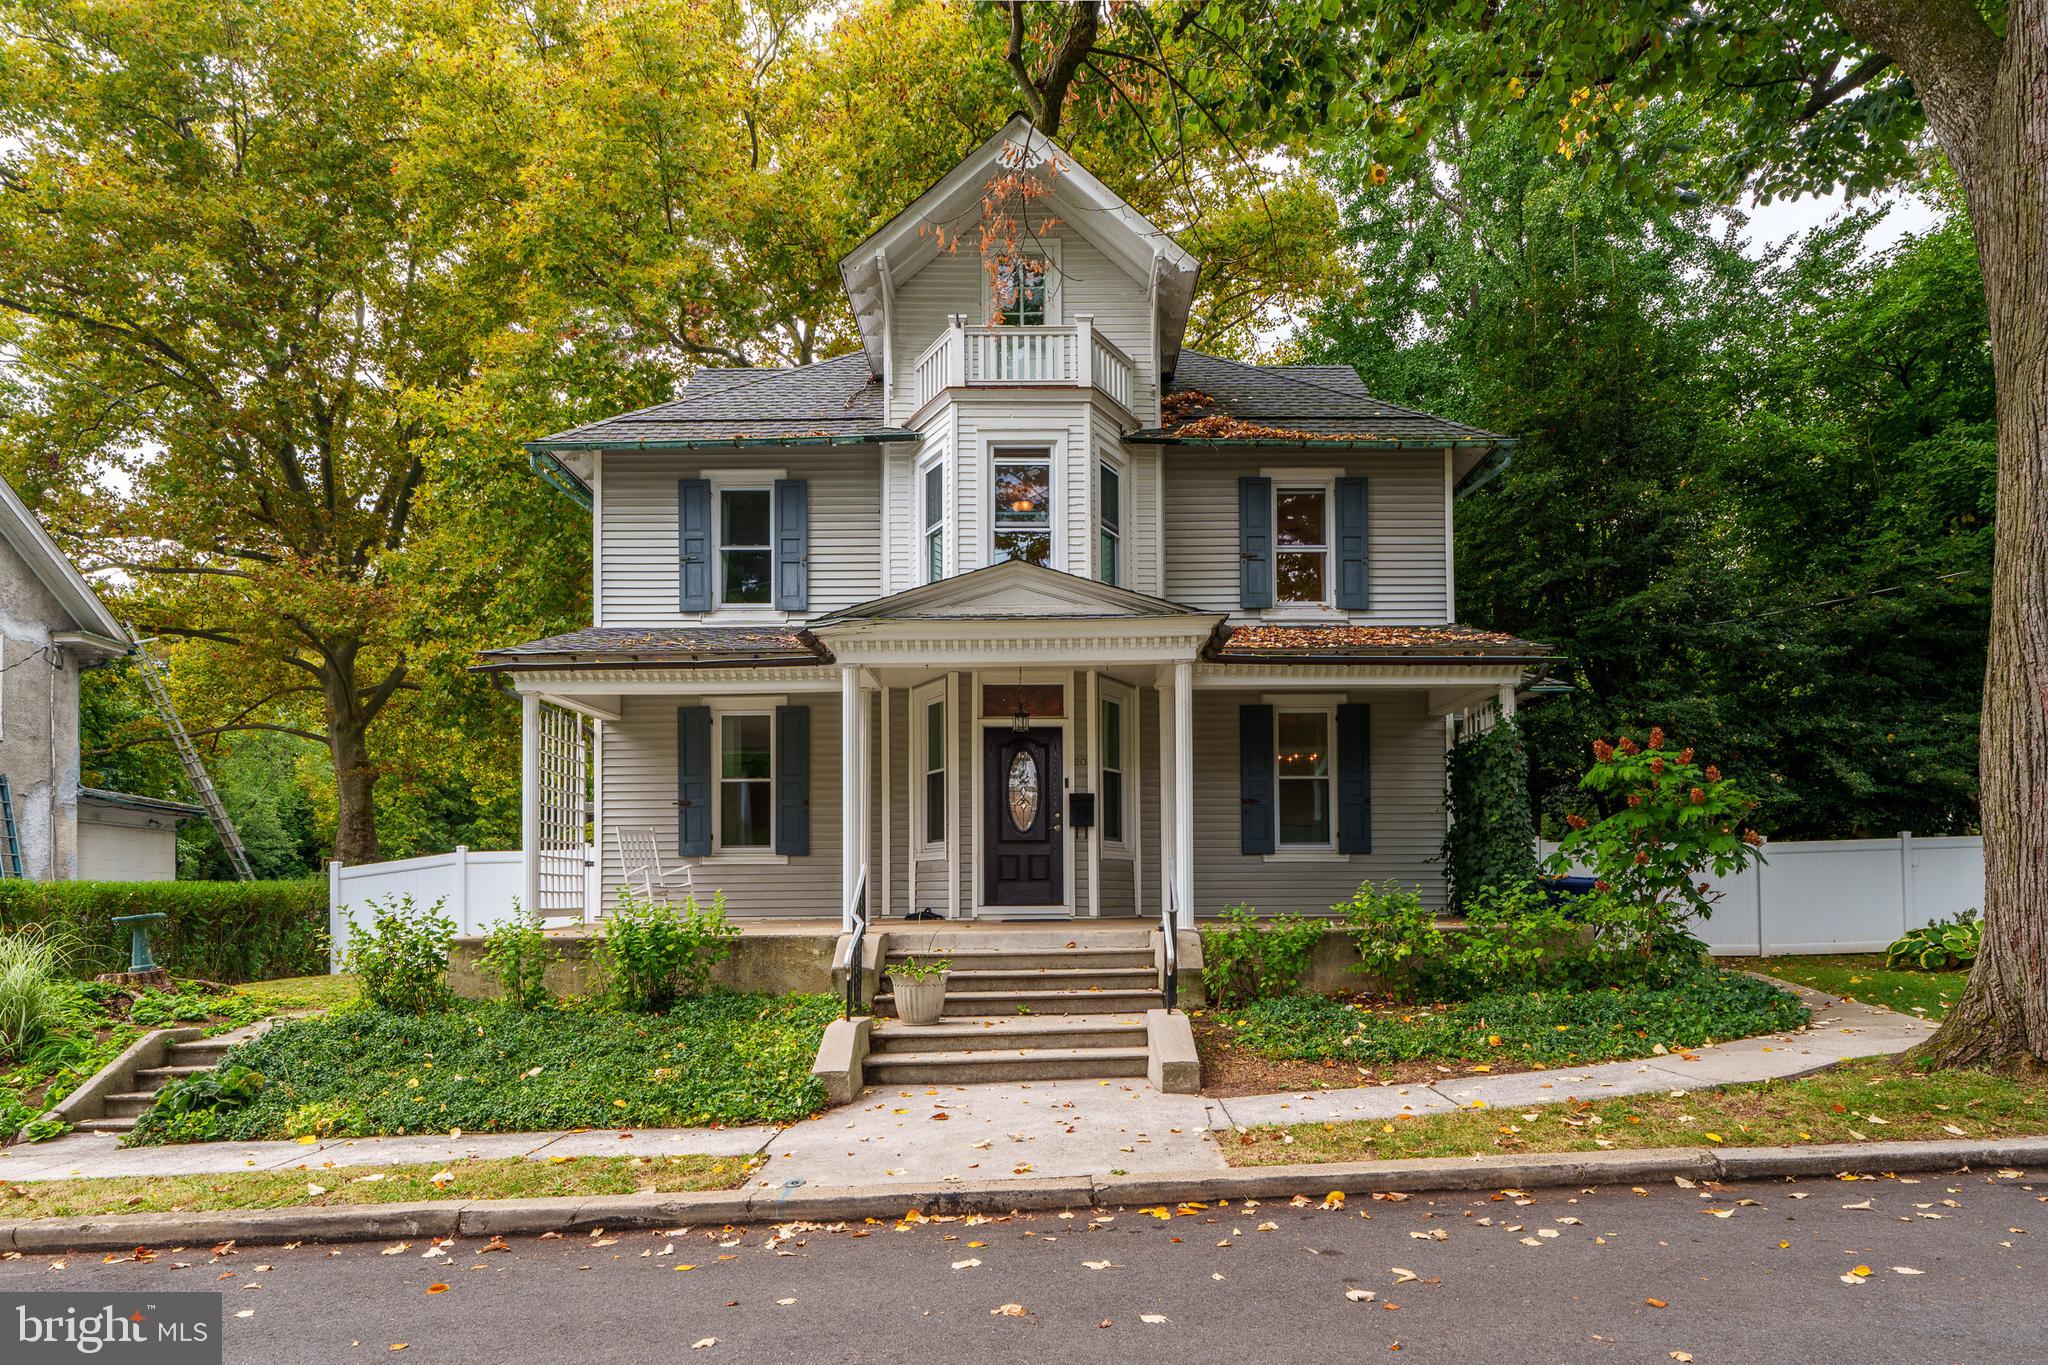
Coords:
pixel 1184 788
pixel 529 802
pixel 1507 700
pixel 1169 839
pixel 850 803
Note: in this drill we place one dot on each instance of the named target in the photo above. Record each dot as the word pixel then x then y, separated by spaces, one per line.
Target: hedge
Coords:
pixel 218 931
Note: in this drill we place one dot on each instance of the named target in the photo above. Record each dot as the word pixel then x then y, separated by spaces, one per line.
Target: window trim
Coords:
pixel 930 524
pixel 1046 249
pixel 742 853
pixel 1000 455
pixel 928 842
pixel 1326 707
pixel 1103 531
pixel 725 481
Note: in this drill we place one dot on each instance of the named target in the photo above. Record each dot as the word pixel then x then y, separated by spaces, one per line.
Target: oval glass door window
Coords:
pixel 1023 792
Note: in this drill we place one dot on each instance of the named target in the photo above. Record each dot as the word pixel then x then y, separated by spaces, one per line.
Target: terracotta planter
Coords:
pixel 919 1002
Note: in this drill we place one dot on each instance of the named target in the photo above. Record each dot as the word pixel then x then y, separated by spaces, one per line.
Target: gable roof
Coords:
pixel 897 250
pixel 1010 589
pixel 20 529
pixel 830 402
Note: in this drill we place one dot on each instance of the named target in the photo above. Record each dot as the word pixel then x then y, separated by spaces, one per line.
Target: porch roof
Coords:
pixel 1373 644
pixel 674 646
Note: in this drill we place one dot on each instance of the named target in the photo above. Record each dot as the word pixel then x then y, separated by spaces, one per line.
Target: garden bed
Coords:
pixel 1306 1041
pixel 1882 1099
pixel 479 1067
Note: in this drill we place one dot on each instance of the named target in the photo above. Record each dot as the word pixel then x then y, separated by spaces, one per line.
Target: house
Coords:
pixel 1022 610
pixel 52 625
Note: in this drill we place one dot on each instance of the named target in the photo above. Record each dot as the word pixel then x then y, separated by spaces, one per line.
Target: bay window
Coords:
pixel 1022 496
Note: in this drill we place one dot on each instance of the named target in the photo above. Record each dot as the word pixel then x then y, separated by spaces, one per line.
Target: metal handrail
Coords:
pixel 859 911
pixel 1169 924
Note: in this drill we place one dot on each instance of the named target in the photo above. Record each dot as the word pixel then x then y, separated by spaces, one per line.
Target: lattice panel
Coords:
pixel 564 807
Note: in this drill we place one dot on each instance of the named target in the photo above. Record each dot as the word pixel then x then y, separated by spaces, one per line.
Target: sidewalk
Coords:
pixel 973 1134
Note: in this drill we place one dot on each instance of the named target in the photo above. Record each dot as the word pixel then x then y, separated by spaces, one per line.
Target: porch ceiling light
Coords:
pixel 1021 721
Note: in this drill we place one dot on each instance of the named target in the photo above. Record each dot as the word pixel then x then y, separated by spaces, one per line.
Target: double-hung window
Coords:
pixel 1112 814
pixel 1305 770
pixel 746 547
pixel 934 764
pixel 1022 287
pixel 935 522
pixel 746 780
pixel 1301 525
pixel 1109 498
pixel 1022 496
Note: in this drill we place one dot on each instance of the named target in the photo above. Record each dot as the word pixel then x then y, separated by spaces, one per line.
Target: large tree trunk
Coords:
pixel 355 776
pixel 1988 104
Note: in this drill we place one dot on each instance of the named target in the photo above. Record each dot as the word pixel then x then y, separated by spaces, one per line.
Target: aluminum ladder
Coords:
pixel 154 672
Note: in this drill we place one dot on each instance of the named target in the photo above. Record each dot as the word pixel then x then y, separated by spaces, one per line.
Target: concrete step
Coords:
pixel 1053 979
pixel 943 938
pixel 205 1052
pixel 121 1125
pixel 975 1066
pixel 984 1003
pixel 893 1038
pixel 129 1105
pixel 155 1077
pixel 1030 959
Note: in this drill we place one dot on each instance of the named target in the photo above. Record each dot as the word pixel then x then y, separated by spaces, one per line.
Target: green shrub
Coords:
pixel 1939 946
pixel 484 1067
pixel 1397 937
pixel 516 955
pixel 1516 937
pixel 1244 959
pixel 32 998
pixel 218 931
pixel 653 954
pixel 402 959
pixel 195 1109
pixel 1491 840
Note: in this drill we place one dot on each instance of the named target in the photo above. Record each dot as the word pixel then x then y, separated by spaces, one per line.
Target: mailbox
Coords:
pixel 1081 809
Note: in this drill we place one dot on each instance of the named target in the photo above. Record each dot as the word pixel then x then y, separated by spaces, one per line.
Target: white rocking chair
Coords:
pixel 641 867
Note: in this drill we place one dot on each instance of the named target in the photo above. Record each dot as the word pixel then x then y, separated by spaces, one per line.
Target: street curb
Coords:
pixel 803 1203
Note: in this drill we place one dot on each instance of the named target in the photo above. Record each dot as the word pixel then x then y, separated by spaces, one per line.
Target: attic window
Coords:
pixel 1023 287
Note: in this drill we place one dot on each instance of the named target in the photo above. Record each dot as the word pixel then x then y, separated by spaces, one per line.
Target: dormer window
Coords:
pixel 1023 289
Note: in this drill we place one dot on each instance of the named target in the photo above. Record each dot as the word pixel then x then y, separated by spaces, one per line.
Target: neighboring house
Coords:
pixel 1045 619
pixel 52 624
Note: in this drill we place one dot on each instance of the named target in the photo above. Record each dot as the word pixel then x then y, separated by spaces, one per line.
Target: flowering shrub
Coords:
pixel 1672 823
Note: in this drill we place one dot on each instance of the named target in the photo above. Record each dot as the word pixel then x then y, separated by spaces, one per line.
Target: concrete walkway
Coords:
pixel 916 1135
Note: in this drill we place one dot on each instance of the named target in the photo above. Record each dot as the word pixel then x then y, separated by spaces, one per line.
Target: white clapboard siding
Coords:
pixel 1407 533
pixel 638 578
pixel 1407 814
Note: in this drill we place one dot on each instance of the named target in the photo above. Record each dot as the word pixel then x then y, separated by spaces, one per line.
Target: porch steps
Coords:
pixel 1073 999
pixel 1016 1048
pixel 183 1059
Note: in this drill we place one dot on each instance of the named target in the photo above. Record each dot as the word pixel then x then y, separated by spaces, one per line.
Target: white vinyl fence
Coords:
pixel 476 890
pixel 1841 895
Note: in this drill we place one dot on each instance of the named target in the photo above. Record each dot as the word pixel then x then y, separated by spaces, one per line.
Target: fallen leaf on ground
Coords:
pixel 967 1264
pixel 1402 1275
pixel 398 1250
pixel 1656 1303
pixel 1009 1310
pixel 1906 1270
pixel 1096 1265
pixel 1361 1295
pixel 702 1342
pixel 437 1289
pixel 1154 1318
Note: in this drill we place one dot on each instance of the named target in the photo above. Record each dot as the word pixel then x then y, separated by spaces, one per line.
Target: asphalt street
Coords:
pixel 1942 1268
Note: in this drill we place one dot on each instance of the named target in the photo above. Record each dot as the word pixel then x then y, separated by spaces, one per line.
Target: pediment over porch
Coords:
pixel 1016 612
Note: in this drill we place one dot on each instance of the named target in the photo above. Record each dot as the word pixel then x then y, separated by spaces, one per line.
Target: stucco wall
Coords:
pixel 37 701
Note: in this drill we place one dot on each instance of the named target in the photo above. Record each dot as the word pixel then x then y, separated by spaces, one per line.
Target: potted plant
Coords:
pixel 920 989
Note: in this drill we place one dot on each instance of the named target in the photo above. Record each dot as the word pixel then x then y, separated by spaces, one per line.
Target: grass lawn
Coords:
pixel 1873 1100
pixel 492 1178
pixel 482 1067
pixel 1308 1040
pixel 1864 977
pixel 295 994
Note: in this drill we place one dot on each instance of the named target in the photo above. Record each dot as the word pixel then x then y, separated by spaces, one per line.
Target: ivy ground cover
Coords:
pixel 1346 1040
pixel 481 1067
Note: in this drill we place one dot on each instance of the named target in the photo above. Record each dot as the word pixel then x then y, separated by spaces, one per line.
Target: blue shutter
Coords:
pixel 1254 543
pixel 792 545
pixel 693 780
pixel 693 543
pixel 1354 588
pixel 793 780
pixel 1255 777
pixel 1354 778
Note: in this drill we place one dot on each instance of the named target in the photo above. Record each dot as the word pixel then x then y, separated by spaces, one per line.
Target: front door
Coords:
pixel 1021 815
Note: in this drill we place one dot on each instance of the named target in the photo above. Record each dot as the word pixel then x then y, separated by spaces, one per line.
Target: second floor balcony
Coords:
pixel 1074 355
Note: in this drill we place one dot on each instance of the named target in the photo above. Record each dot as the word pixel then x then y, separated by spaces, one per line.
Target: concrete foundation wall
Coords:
pixel 779 963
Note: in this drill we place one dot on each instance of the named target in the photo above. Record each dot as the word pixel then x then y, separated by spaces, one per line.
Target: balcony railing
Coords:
pixel 1073 356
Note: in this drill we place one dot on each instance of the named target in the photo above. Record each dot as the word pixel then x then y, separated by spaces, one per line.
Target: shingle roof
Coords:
pixel 833 398
pixel 1219 399
pixel 730 645
pixel 1323 643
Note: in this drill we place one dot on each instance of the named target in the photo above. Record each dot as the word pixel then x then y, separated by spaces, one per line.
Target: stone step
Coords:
pixel 121 1125
pixel 1053 979
pixel 984 1003
pixel 1029 959
pixel 971 1067
pixel 130 1104
pixel 894 1038
pixel 156 1077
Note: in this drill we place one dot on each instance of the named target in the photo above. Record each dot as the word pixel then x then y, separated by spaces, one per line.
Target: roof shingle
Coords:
pixel 1250 643
pixel 836 397
pixel 663 645
pixel 1219 399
